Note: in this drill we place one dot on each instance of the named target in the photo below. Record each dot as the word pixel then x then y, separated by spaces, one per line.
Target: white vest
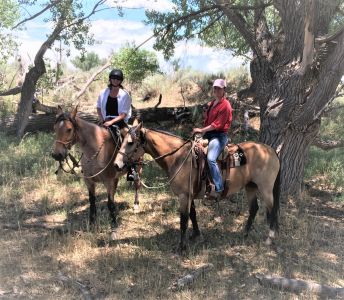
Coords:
pixel 124 103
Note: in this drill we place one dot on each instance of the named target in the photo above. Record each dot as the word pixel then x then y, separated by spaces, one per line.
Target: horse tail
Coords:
pixel 276 195
pixel 276 191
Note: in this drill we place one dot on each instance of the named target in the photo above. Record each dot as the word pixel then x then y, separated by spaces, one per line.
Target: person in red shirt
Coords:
pixel 218 119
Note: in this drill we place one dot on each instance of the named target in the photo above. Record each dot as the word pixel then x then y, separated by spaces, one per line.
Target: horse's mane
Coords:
pixel 66 116
pixel 168 133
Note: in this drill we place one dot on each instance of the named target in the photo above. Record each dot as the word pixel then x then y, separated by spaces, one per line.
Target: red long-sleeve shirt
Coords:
pixel 219 116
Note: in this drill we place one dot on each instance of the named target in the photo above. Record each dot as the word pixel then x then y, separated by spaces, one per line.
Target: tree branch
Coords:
pixel 37 14
pixel 327 145
pixel 331 74
pixel 239 22
pixel 14 91
pixel 91 79
pixel 328 38
pixel 298 286
pixel 308 43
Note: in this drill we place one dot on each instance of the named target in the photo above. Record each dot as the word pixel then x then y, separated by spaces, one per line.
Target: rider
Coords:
pixel 218 119
pixel 114 103
pixel 114 106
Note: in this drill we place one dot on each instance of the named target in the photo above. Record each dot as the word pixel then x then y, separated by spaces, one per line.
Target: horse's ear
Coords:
pixel 75 110
pixel 59 110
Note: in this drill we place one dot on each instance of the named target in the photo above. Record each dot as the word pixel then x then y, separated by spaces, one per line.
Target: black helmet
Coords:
pixel 116 74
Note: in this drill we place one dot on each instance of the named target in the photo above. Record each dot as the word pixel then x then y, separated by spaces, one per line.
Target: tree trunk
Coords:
pixel 31 78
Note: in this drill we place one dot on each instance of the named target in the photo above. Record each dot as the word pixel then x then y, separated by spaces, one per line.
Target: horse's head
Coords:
pixel 65 131
pixel 132 148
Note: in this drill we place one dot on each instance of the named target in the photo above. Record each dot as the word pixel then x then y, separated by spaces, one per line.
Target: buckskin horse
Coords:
pixel 259 176
pixel 98 148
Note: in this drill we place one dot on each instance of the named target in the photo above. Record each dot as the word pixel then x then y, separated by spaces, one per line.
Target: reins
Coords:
pixel 162 156
pixel 94 156
pixel 175 174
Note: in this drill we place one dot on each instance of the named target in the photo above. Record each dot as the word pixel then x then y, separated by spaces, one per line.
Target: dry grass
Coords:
pixel 142 263
pixel 45 235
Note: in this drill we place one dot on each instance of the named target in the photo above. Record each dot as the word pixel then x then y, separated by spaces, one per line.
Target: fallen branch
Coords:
pixel 327 145
pixel 91 79
pixel 159 101
pixel 59 227
pixel 84 289
pixel 298 286
pixel 190 278
pixel 14 91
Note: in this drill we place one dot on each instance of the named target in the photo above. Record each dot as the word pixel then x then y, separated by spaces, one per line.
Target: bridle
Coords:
pixel 67 144
pixel 138 162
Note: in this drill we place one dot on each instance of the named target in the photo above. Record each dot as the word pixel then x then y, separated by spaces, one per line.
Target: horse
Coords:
pixel 259 176
pixel 99 148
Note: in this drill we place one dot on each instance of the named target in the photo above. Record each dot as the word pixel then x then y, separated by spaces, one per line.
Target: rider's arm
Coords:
pixel 99 112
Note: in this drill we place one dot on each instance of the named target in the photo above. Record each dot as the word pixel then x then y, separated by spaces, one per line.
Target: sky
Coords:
pixel 112 32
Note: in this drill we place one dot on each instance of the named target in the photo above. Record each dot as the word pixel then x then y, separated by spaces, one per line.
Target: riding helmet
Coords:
pixel 116 73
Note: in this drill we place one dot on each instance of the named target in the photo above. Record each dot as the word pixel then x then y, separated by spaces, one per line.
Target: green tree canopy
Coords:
pixel 87 62
pixel 9 15
pixel 136 64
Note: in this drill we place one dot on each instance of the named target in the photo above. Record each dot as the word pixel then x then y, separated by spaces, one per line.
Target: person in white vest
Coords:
pixel 114 108
pixel 114 103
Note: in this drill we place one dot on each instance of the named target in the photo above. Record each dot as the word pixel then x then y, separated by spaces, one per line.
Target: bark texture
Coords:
pixel 293 78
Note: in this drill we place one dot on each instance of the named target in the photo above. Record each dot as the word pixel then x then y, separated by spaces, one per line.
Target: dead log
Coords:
pixel 298 286
pixel 189 279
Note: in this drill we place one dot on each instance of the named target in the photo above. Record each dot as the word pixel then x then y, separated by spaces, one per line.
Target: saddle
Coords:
pixel 232 156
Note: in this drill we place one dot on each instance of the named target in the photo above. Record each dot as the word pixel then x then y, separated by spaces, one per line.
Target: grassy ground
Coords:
pixel 48 251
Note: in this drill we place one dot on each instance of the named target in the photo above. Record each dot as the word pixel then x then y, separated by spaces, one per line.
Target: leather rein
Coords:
pixel 68 144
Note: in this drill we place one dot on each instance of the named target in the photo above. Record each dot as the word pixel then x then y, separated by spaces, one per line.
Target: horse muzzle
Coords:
pixel 58 156
pixel 118 167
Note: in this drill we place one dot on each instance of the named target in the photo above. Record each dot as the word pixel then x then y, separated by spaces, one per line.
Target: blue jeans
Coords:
pixel 217 142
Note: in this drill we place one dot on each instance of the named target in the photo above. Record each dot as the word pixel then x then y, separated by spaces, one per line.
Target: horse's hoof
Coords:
pixel 136 208
pixel 195 235
pixel 113 235
pixel 268 241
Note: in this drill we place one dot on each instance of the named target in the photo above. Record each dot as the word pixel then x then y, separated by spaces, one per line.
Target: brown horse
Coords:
pixel 98 152
pixel 259 176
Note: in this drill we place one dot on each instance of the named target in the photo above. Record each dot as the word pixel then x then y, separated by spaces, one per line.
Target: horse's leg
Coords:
pixel 184 218
pixel 113 210
pixel 137 183
pixel 195 229
pixel 91 187
pixel 251 194
pixel 271 214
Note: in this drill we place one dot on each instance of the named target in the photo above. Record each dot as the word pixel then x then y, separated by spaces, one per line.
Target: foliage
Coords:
pixel 200 19
pixel 9 14
pixel 47 80
pixel 329 165
pixel 136 64
pixel 87 62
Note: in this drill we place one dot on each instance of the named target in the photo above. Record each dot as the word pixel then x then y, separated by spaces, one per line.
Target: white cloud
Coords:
pixel 113 34
pixel 158 5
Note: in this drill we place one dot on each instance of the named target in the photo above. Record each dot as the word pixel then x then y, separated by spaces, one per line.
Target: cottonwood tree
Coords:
pixel 87 62
pixel 136 63
pixel 71 26
pixel 297 50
